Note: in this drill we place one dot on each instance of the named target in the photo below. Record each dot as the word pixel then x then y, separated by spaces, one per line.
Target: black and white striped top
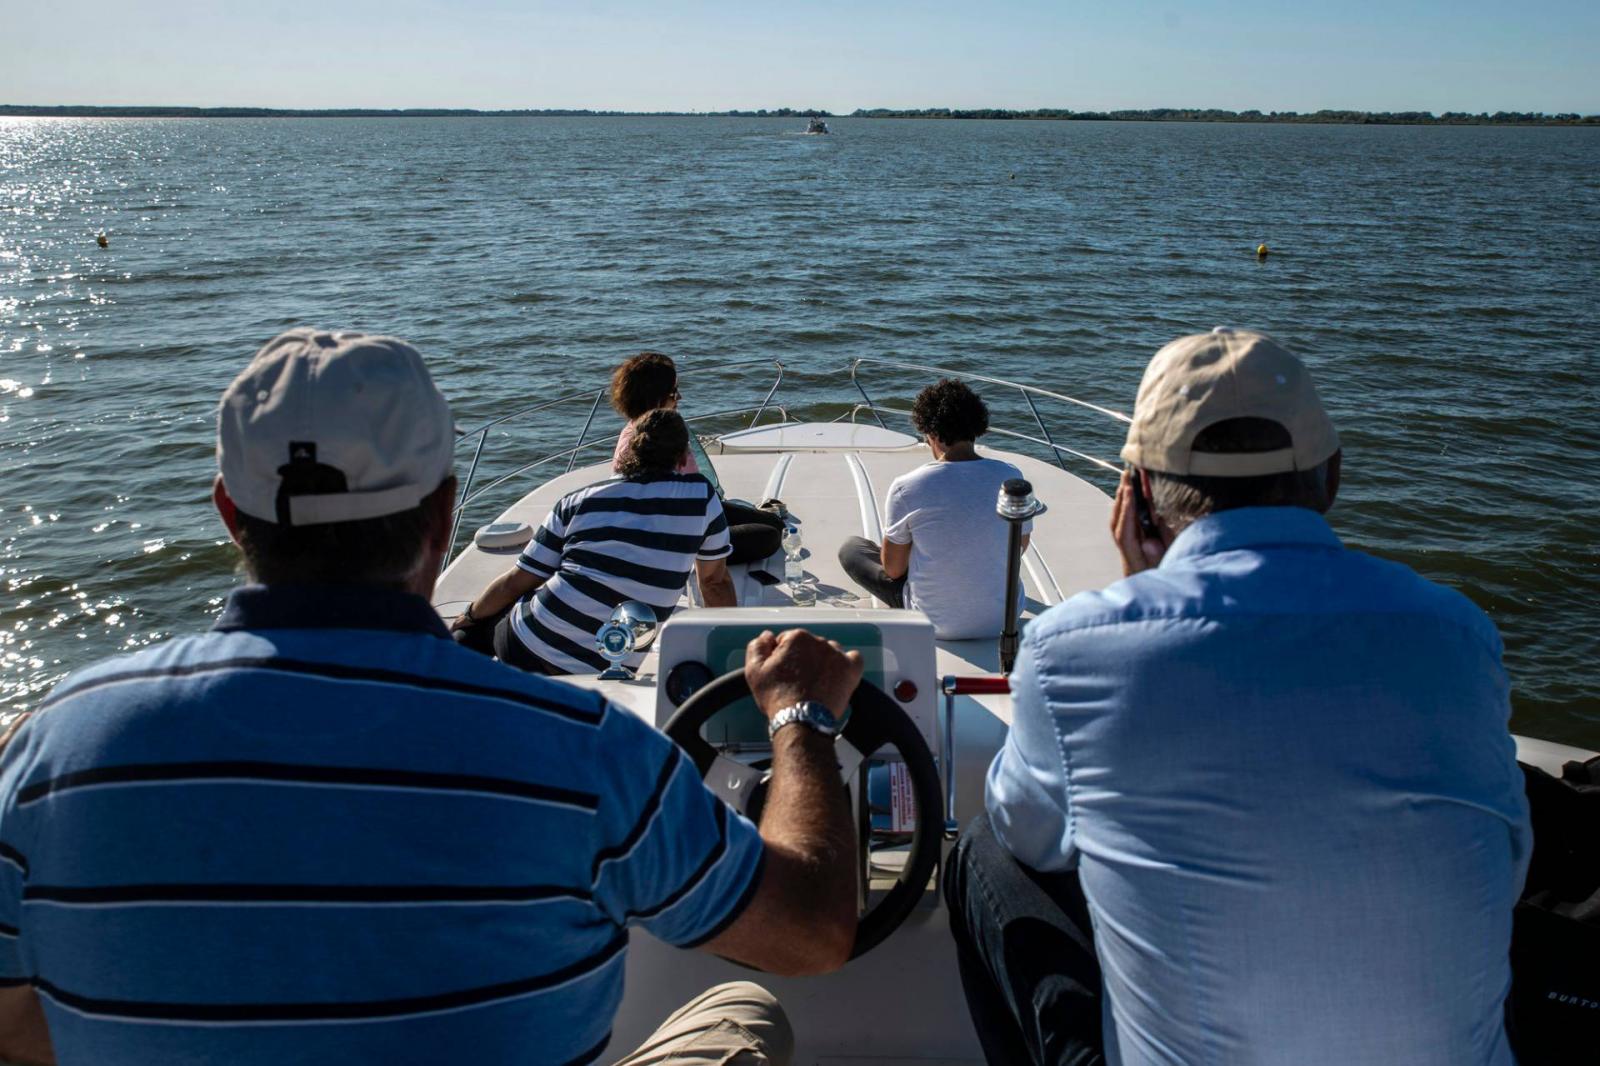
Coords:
pixel 633 538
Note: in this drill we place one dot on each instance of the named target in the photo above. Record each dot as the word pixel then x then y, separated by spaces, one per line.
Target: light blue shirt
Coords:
pixel 1283 772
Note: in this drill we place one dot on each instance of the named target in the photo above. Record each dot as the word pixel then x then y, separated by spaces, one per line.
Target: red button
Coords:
pixel 905 691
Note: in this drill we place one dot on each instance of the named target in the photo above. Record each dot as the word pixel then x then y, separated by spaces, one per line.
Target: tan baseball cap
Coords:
pixel 1200 380
pixel 333 427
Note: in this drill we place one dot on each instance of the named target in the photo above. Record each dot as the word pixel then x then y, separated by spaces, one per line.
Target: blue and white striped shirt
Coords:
pixel 324 832
pixel 634 538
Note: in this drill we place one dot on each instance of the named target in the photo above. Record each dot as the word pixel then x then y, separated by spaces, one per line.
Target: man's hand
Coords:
pixel 1138 552
pixel 797 666
pixel 802 917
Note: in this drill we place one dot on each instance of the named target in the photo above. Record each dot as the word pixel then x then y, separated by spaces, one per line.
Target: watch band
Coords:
pixel 806 712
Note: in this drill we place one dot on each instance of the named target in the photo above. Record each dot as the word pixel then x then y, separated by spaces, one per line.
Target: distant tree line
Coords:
pixel 93 111
pixel 1158 114
pixel 1183 114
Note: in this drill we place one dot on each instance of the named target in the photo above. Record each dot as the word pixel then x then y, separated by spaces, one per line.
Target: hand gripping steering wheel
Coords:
pixel 875 720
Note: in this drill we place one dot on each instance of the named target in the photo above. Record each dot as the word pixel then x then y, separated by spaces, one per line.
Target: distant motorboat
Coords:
pixel 816 125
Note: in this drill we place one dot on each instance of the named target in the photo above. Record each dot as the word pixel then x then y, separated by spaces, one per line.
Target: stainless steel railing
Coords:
pixel 478 438
pixel 1027 392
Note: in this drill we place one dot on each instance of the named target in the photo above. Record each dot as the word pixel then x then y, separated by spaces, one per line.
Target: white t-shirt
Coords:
pixel 957 577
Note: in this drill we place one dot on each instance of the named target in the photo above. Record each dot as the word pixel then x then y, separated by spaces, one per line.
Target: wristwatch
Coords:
pixel 806 712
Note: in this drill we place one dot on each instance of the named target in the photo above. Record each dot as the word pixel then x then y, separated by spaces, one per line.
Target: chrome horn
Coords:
pixel 631 628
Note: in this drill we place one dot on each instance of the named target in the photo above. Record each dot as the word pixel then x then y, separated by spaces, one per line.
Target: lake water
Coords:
pixel 1440 281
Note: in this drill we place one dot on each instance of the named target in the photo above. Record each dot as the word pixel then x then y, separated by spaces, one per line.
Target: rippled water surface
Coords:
pixel 1441 281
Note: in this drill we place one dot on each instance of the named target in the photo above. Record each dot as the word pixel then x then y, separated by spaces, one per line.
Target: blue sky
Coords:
pixel 712 55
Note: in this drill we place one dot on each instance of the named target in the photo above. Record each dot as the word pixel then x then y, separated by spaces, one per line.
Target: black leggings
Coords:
pixel 754 533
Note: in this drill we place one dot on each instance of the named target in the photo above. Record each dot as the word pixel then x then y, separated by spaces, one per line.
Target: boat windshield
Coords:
pixel 703 461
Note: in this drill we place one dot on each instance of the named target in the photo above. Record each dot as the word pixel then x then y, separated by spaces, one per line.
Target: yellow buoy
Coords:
pixel 101 241
pixel 1261 251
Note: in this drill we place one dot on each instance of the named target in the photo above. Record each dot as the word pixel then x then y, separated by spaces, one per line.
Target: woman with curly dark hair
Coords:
pixel 646 382
pixel 943 550
pixel 649 382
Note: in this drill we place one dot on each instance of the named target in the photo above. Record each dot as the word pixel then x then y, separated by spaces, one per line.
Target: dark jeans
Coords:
pixel 863 561
pixel 755 534
pixel 1026 951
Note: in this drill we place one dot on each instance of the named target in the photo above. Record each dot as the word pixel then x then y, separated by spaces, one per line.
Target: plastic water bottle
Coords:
pixel 801 591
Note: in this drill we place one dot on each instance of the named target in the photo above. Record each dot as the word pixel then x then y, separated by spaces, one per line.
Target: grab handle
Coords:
pixel 952 687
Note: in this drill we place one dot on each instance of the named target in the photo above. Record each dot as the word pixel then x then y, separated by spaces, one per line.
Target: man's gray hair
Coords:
pixel 1178 500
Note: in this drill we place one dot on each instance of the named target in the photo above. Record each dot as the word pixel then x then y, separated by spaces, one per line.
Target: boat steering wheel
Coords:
pixel 875 720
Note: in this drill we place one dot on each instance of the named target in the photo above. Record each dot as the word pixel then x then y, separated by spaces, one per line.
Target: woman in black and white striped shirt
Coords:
pixel 634 537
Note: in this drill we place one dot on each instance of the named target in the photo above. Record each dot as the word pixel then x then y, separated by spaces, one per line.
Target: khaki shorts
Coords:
pixel 736 1024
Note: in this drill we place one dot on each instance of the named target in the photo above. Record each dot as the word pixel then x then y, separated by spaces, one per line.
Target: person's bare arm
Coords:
pixel 501 593
pixel 896 558
pixel 716 584
pixel 24 1039
pixel 802 918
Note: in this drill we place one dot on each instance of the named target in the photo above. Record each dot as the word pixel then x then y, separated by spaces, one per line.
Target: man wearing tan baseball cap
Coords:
pixel 323 832
pixel 1258 802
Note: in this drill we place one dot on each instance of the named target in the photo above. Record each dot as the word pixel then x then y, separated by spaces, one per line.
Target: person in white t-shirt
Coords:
pixel 944 548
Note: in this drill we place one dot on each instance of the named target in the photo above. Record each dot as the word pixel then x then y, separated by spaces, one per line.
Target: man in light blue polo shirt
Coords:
pixel 324 832
pixel 1258 802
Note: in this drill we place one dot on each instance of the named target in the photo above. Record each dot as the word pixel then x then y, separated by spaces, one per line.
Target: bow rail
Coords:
pixel 477 440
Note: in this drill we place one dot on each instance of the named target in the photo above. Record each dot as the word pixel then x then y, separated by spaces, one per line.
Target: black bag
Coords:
pixel 1554 1011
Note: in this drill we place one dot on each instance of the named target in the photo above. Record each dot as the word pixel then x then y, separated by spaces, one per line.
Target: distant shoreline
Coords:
pixel 1162 114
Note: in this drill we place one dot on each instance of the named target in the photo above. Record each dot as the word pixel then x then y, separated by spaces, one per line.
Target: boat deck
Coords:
pixel 834 485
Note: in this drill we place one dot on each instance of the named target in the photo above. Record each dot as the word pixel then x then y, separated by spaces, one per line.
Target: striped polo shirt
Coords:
pixel 325 833
pixel 629 538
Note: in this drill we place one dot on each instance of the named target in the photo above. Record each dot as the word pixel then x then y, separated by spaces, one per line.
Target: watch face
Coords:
pixel 819 714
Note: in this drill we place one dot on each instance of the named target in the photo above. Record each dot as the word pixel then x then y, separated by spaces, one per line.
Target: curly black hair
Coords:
pixel 951 411
pixel 660 439
pixel 643 383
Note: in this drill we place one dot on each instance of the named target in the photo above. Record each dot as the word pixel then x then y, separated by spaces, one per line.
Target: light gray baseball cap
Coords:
pixel 1206 378
pixel 333 427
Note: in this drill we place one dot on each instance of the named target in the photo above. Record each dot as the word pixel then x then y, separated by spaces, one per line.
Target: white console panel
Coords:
pixel 898 647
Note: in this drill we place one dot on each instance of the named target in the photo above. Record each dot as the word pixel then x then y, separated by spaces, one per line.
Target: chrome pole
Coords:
pixel 461 508
pixel 870 405
pixel 584 432
pixel 765 399
pixel 1016 506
